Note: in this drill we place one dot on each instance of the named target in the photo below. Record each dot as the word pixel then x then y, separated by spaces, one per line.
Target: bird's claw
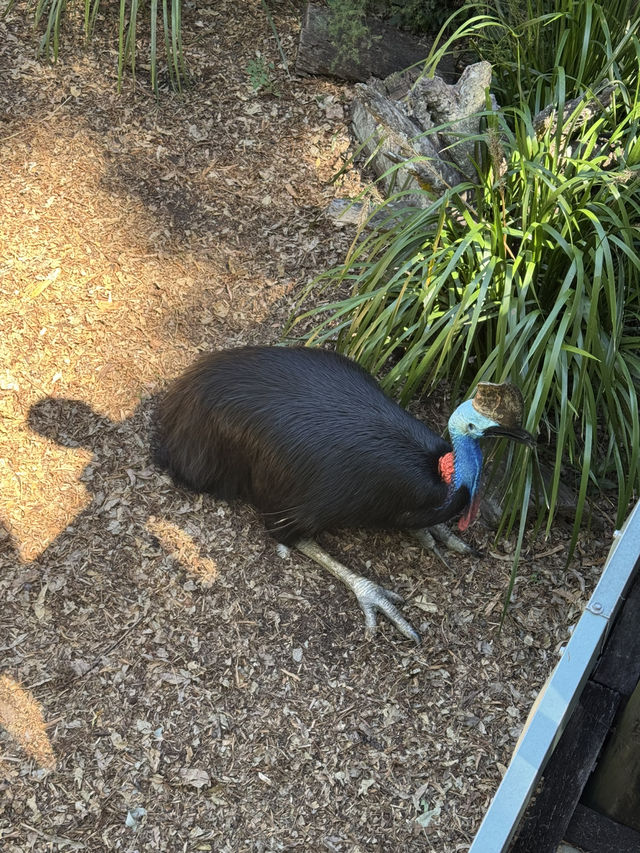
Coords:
pixel 427 541
pixel 373 598
pixel 427 537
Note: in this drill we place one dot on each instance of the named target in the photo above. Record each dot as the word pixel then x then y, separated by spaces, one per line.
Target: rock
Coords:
pixel 379 54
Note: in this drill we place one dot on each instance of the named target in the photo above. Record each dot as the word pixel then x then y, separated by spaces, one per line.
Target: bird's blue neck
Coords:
pixel 467 465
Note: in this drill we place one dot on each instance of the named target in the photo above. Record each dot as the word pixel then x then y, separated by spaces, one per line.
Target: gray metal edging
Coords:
pixel 561 693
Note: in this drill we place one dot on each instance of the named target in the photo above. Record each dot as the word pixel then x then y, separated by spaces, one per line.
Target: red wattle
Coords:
pixel 445 467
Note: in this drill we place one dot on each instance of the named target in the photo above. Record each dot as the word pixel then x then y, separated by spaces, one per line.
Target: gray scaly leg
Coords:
pixel 371 596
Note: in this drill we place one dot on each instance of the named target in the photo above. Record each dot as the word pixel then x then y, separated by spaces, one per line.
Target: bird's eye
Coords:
pixel 471 427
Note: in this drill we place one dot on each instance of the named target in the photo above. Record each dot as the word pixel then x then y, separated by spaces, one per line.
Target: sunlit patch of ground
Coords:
pixel 100 302
pixel 178 544
pixel 21 716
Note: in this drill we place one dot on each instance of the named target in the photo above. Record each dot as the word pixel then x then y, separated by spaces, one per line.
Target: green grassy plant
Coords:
pixel 261 77
pixel 347 29
pixel 530 272
pixel 49 18
pixel 547 50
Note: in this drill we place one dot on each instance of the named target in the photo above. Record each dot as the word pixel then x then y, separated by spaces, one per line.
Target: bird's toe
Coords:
pixel 427 538
pixel 374 599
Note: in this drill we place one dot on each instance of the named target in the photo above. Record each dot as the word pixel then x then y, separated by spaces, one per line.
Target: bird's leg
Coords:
pixel 427 537
pixel 371 596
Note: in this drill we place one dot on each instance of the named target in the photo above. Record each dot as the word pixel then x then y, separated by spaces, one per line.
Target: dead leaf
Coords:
pixel 195 777
pixel 38 605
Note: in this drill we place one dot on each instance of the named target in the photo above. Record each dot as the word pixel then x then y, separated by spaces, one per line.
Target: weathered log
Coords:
pixel 546 121
pixel 389 137
pixel 397 132
pixel 385 51
pixel 435 102
pixel 347 211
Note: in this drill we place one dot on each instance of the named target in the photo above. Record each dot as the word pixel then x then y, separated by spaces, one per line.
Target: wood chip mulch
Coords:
pixel 167 681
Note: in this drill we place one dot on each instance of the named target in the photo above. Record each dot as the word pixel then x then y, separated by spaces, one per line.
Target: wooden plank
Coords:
pixel 619 666
pixel 599 834
pixel 545 823
pixel 388 50
pixel 614 788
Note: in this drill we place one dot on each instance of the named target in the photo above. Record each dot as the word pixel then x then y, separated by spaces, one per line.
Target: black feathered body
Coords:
pixel 307 437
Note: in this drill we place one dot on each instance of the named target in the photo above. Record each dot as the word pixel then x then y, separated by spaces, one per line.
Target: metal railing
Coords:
pixel 561 693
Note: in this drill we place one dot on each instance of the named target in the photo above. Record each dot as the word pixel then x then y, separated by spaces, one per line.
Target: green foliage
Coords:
pixel 51 16
pixel 418 16
pixel 545 50
pixel 529 271
pixel 261 75
pixel 348 31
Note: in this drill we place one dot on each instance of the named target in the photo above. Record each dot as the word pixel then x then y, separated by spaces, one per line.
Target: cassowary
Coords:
pixel 310 439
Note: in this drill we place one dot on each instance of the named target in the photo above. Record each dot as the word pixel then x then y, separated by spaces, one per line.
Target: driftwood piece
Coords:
pixel 389 136
pixel 434 102
pixel 345 211
pixel 396 131
pixel 387 50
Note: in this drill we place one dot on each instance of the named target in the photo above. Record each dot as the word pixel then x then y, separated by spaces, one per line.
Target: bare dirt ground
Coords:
pixel 167 682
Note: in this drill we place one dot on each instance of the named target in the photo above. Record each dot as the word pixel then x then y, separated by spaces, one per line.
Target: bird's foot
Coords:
pixel 372 597
pixel 427 537
pixel 452 542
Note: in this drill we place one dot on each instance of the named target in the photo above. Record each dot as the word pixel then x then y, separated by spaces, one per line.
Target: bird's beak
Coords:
pixel 513 432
